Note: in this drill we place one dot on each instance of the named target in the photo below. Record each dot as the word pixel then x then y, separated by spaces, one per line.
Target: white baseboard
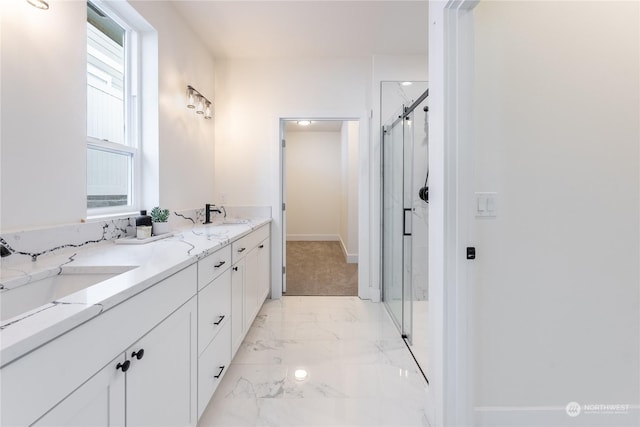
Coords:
pixel 349 258
pixel 375 295
pixel 313 237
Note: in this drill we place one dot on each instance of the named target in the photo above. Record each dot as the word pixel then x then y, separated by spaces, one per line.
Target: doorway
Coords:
pixel 320 179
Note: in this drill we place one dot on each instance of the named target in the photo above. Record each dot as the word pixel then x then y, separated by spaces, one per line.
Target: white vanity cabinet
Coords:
pixel 149 384
pixel 248 281
pixel 212 366
pixel 213 265
pixel 100 402
pixel 75 379
pixel 264 270
pixel 154 359
pixel 214 323
pixel 161 380
pixel 237 305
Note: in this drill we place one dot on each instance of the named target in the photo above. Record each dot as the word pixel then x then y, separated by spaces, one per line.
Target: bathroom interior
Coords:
pixel 531 200
pixel 87 259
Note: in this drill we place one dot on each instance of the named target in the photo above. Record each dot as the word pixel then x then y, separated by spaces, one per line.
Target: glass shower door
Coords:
pixel 397 178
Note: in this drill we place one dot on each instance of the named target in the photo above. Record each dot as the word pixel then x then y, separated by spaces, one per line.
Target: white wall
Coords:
pixel 186 149
pixel 557 308
pixel 313 185
pixel 252 96
pixel 349 190
pixel 43 60
pixel 43 102
pixel 344 185
pixel 353 192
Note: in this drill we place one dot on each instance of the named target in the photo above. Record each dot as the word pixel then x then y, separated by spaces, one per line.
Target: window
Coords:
pixel 112 144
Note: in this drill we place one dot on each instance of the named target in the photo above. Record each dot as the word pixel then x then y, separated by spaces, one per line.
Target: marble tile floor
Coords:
pixel 359 371
pixel 420 342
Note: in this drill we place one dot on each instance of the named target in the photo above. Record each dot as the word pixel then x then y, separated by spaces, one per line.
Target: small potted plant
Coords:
pixel 160 218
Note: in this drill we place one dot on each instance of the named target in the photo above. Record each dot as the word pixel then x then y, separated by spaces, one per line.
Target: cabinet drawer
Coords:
pixel 242 246
pixel 212 266
pixel 212 365
pixel 214 309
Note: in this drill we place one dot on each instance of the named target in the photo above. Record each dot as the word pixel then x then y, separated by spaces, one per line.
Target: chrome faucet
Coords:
pixel 208 208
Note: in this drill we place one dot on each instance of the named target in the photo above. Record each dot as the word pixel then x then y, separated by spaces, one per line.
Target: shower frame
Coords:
pixel 401 323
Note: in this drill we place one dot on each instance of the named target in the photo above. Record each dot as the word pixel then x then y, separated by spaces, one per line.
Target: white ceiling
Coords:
pixel 308 28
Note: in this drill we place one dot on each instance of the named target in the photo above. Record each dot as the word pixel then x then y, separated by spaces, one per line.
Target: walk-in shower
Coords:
pixel 405 151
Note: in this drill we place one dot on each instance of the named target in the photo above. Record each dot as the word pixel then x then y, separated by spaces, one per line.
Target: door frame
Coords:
pixel 450 364
pixel 278 230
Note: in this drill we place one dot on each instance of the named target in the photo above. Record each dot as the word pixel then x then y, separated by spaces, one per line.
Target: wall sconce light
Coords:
pixel 40 4
pixel 200 106
pixel 197 101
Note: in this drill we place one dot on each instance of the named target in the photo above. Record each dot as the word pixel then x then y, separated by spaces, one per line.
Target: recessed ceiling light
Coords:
pixel 304 122
pixel 407 83
pixel 40 4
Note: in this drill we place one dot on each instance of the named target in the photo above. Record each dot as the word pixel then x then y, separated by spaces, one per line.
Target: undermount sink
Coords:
pixel 211 228
pixel 26 297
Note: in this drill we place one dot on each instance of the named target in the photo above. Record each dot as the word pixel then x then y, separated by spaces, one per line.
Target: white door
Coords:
pixel 251 280
pixel 264 270
pixel 237 305
pixel 98 403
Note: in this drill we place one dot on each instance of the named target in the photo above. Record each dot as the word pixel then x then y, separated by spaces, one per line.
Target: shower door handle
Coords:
pixel 406 222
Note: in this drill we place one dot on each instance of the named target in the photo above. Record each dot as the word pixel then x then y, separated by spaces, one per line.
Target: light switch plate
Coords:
pixel 486 204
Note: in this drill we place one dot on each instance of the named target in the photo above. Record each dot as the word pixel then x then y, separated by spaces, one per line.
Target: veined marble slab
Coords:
pixel 151 263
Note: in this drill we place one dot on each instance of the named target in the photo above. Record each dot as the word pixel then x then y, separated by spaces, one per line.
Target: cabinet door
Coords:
pixel 264 270
pixel 250 287
pixel 237 305
pixel 162 383
pixel 99 402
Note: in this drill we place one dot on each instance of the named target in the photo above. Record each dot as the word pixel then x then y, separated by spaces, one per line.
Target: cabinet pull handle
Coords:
pixel 220 319
pixel 138 354
pixel 261 246
pixel 124 367
pixel 235 268
pixel 219 373
pixel 220 264
pixel 241 250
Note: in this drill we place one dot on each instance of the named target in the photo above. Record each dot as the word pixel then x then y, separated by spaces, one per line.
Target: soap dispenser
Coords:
pixel 143 225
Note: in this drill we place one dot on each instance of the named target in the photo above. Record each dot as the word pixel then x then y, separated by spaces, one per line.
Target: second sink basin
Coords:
pixel 21 299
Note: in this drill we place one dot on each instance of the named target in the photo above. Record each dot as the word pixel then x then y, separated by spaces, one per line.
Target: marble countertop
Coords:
pixel 151 262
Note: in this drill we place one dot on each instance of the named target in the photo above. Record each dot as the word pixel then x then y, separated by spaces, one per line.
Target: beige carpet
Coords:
pixel 319 268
